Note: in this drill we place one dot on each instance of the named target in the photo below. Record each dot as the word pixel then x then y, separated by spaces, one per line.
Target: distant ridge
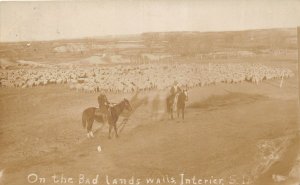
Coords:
pixel 183 44
pixel 138 36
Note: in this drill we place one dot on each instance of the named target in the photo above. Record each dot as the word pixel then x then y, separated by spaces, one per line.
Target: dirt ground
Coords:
pixel 241 133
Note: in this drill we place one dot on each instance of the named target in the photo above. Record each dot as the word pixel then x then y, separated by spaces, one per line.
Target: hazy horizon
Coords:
pixel 46 21
pixel 133 34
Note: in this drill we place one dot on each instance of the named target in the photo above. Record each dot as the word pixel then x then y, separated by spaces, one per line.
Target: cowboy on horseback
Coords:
pixel 173 97
pixel 175 89
pixel 176 99
pixel 103 101
pixel 104 106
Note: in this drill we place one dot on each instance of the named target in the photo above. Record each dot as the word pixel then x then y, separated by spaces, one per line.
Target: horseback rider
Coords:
pixel 174 92
pixel 102 100
pixel 104 104
pixel 175 89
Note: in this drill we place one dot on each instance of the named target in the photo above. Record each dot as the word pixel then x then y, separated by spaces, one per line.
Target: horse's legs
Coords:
pixel 115 128
pixel 183 113
pixel 110 127
pixel 89 127
pixel 89 124
pixel 178 112
pixel 91 134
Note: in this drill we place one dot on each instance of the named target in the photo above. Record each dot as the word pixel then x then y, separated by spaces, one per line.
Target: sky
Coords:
pixel 50 20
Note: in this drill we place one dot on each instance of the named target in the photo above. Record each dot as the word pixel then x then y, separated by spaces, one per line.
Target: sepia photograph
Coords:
pixel 149 92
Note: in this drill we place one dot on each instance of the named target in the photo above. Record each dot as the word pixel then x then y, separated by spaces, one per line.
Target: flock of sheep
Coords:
pixel 142 77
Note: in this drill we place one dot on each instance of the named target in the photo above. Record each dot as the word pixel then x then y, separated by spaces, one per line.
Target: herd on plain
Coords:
pixel 142 77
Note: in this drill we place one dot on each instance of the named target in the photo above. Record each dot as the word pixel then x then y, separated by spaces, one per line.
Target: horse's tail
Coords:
pixel 84 119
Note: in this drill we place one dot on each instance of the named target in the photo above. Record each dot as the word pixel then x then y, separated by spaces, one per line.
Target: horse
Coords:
pixel 176 102
pixel 89 116
pixel 182 98
pixel 170 103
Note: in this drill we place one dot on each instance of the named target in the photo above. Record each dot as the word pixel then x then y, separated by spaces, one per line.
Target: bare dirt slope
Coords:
pixel 222 136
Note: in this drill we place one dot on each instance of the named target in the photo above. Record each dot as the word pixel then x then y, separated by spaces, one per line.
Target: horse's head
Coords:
pixel 127 105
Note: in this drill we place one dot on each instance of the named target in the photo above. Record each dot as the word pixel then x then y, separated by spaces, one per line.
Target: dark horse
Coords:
pixel 177 102
pixel 88 117
pixel 182 98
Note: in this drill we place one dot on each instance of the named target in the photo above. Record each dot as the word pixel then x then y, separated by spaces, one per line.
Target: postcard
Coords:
pixel 149 92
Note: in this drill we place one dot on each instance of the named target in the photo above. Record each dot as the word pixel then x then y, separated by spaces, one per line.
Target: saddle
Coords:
pixel 98 112
pixel 102 111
